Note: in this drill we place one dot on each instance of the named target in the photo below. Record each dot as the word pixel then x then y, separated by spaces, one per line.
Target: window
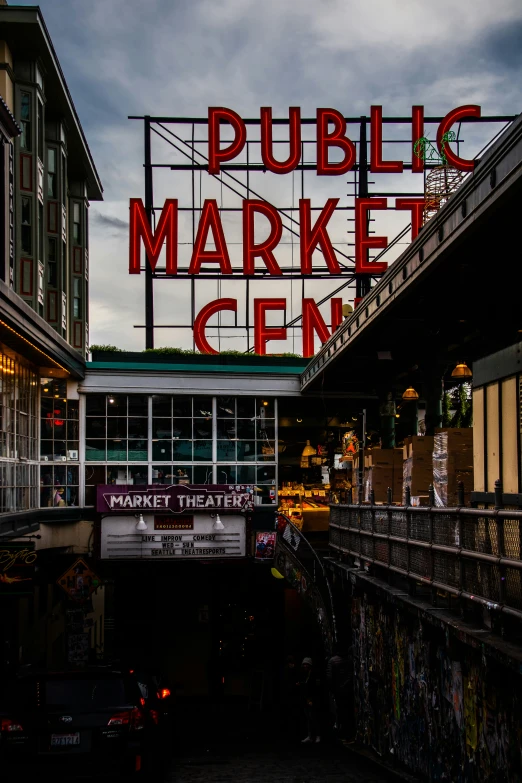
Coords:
pixel 193 439
pixel 52 262
pixel 64 183
pixel 51 173
pixel 77 226
pixel 59 443
pixel 41 253
pixel 26 276
pixel 18 436
pixel 77 297
pixel 26 226
pixel 40 132
pixel 25 121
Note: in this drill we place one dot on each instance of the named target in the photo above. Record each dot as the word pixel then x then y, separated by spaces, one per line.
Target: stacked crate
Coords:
pixel 417 468
pixel 385 470
pixel 452 463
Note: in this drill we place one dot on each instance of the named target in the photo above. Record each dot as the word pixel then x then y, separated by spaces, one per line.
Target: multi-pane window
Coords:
pixel 77 223
pixel 25 121
pixel 116 428
pixel 27 225
pixel 59 423
pixel 58 485
pixel 77 297
pixel 18 435
pixel 191 439
pixel 51 172
pixel 52 262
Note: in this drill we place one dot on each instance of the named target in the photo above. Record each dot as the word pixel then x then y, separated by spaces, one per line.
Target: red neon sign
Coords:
pixel 314 234
pixel 295 141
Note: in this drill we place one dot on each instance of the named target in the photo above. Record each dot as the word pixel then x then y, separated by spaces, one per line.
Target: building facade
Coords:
pixel 53 178
pixel 47 180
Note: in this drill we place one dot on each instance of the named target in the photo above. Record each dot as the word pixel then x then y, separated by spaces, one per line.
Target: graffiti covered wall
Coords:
pixel 440 707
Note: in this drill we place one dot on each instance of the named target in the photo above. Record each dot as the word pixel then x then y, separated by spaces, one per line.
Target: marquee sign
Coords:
pixel 121 541
pixel 176 499
pixel 263 223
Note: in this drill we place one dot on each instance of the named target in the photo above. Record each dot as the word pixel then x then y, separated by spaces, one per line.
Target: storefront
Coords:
pixel 207 421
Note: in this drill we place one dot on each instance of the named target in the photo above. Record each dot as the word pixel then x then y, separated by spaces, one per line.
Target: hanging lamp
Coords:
pixel 461 371
pixel 308 450
pixel 410 394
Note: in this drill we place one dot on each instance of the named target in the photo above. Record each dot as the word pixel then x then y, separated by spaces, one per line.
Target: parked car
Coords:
pixel 94 720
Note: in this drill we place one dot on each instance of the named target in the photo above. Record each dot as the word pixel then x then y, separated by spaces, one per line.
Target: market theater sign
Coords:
pixel 330 134
pixel 176 499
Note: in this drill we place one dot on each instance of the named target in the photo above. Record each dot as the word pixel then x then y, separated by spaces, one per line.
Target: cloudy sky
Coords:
pixel 177 57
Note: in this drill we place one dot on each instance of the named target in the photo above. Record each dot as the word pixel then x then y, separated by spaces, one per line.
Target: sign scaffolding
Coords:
pixel 235 221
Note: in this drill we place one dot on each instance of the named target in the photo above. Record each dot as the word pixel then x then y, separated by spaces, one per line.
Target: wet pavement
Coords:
pixel 328 764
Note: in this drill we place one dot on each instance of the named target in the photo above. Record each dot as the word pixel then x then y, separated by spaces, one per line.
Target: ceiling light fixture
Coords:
pixel 308 450
pixel 410 394
pixel 461 371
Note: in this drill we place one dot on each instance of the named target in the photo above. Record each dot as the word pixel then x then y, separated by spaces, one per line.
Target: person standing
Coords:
pixel 309 693
pixel 339 675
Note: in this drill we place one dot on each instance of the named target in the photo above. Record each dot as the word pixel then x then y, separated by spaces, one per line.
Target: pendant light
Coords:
pixel 410 394
pixel 461 371
pixel 308 450
pixel 142 525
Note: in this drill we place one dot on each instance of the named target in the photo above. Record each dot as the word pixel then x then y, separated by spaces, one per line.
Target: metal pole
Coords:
pixel 361 457
pixel 149 203
pixel 362 282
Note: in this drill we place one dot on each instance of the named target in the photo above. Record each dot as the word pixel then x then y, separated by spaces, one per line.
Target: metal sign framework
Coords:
pixel 167 129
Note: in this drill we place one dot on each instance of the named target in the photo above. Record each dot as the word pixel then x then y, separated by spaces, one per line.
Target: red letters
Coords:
pixel 201 321
pixel 363 242
pixel 215 154
pixel 455 116
pixel 416 206
pixel 295 141
pixel 166 231
pixel 417 132
pixel 318 235
pixel 263 333
pixel 335 139
pixel 251 251
pixel 210 220
pixel 377 164
pixel 313 321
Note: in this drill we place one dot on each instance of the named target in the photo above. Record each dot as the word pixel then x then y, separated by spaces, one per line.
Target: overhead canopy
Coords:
pixel 452 296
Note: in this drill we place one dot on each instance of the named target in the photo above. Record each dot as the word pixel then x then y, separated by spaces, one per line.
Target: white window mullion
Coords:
pixel 149 441
pixel 214 440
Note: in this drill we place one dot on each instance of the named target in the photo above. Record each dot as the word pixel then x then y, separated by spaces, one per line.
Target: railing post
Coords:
pixel 372 497
pixel 389 496
pixel 500 538
pixel 460 494
pixel 350 496
pixel 407 494
pixel 431 495
pixel 498 493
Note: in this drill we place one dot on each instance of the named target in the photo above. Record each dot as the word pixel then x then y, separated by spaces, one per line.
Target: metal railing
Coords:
pixel 471 553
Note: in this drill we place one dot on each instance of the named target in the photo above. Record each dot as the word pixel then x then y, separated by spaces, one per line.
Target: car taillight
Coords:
pixel 133 718
pixel 164 693
pixel 6 724
pixel 155 716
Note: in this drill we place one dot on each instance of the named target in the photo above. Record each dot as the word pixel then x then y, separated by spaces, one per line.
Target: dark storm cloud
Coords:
pixel 106 221
pixel 502 46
